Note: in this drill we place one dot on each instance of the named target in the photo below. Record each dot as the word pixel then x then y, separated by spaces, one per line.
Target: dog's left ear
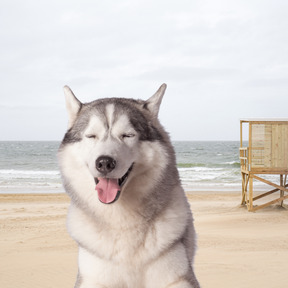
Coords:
pixel 153 103
pixel 73 105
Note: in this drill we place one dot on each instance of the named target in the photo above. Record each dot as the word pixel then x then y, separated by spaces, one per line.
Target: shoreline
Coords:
pixel 235 247
pixel 59 190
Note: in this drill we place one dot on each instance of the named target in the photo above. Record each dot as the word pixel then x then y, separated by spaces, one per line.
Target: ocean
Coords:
pixel 27 167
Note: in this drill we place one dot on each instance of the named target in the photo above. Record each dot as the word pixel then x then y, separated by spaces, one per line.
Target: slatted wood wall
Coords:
pixel 269 145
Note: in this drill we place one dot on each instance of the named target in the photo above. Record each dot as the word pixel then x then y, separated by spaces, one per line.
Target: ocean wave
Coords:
pixel 190 165
pixel 13 174
pixel 232 163
pixel 228 164
pixel 210 174
pixel 28 172
pixel 29 184
pixel 200 169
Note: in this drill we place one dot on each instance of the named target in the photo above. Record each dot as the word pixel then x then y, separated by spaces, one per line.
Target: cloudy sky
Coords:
pixel 222 61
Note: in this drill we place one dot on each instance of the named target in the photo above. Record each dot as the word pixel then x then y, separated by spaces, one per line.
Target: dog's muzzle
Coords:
pixel 109 189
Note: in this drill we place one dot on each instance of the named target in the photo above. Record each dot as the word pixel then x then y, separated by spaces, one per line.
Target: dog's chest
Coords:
pixel 122 243
pixel 113 274
pixel 119 240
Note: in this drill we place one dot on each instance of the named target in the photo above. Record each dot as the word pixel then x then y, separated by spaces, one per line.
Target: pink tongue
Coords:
pixel 107 189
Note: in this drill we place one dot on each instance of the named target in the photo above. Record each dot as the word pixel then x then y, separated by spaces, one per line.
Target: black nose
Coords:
pixel 105 164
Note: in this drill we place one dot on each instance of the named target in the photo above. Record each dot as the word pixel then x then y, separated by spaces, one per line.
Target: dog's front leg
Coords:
pixel 78 281
pixel 83 284
pixel 171 270
pixel 183 284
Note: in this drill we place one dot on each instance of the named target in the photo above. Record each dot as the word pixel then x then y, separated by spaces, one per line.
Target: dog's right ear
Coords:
pixel 73 105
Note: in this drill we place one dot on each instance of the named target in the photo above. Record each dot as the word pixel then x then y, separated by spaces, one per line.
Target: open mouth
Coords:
pixel 109 189
pixel 124 178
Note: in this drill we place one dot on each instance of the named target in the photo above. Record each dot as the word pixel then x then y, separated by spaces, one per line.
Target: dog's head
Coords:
pixel 105 135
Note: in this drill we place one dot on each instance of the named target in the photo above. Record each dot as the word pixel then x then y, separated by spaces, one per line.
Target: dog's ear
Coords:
pixel 153 103
pixel 73 105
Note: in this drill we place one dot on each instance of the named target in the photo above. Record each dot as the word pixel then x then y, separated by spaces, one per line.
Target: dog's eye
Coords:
pixel 91 136
pixel 128 135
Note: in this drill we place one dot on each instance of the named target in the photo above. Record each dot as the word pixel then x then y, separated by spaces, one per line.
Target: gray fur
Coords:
pixel 151 221
pixel 135 109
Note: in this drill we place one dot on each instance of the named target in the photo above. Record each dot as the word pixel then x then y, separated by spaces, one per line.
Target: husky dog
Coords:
pixel 128 214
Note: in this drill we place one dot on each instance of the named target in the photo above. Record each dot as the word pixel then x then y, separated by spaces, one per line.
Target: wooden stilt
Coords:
pixel 250 204
pixel 243 202
pixel 281 191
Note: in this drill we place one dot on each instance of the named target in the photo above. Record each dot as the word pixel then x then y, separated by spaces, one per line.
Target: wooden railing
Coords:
pixel 244 151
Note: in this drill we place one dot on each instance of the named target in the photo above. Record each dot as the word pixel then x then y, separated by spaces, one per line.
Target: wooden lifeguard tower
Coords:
pixel 267 153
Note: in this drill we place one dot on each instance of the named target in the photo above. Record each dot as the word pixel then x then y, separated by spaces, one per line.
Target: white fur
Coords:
pixel 121 245
pixel 110 114
pixel 110 143
pixel 95 127
pixel 131 248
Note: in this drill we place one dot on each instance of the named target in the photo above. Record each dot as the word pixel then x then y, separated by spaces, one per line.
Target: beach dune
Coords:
pixel 236 248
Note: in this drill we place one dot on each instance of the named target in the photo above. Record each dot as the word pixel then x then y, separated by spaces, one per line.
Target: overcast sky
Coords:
pixel 222 61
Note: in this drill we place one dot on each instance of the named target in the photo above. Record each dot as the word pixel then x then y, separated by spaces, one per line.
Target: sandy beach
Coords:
pixel 236 248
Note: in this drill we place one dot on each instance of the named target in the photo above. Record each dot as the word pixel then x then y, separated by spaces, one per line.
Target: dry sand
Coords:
pixel 236 248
